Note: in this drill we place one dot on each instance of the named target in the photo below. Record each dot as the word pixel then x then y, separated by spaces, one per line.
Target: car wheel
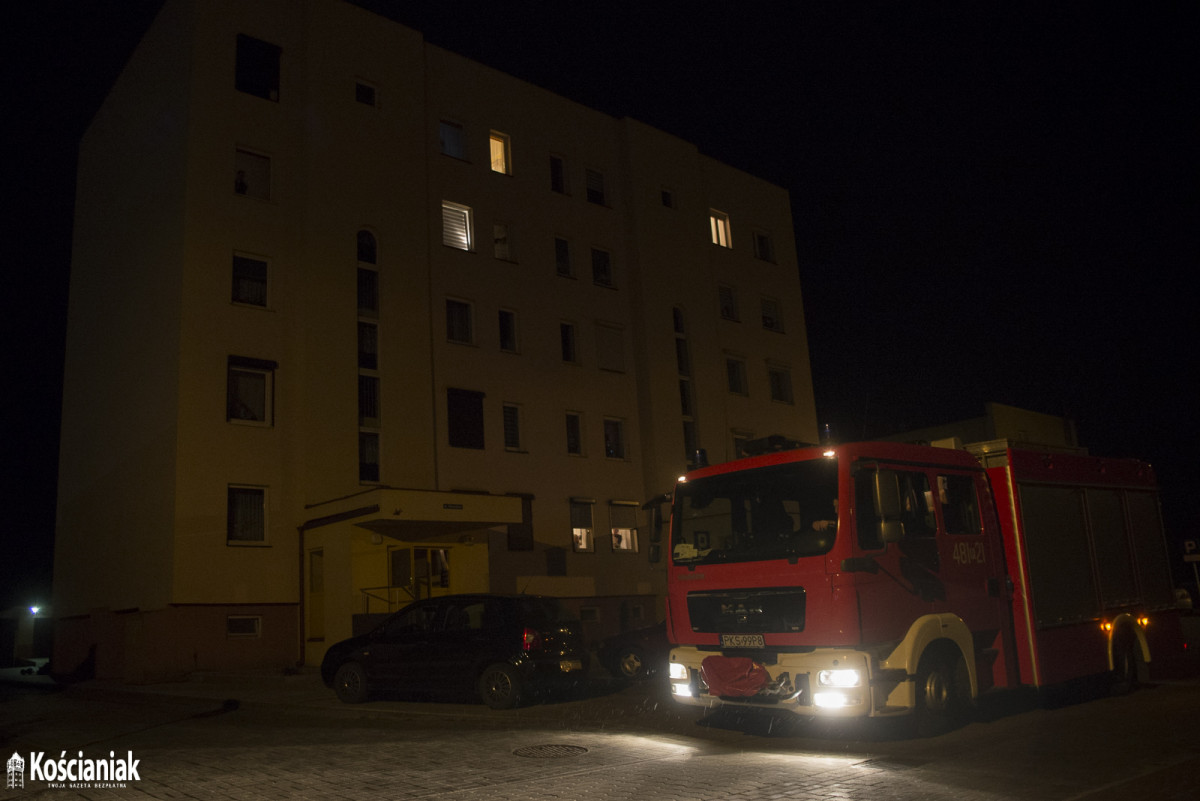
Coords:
pixel 350 683
pixel 500 686
pixel 630 664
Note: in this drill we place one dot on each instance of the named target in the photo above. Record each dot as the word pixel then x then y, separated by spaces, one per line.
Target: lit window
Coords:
pixel 508 331
pixel 249 385
pixel 249 280
pixel 246 515
pixel 772 315
pixel 452 140
pixel 457 226
pixel 595 187
pixel 501 156
pixel 614 438
pixel 257 68
pixel 512 427
pixel 602 274
pixel 502 245
pixel 252 175
pixel 780 379
pixel 727 300
pixel 764 247
pixel 719 223
pixel 581 525
pixel 574 433
pixel 460 327
pixel 622 518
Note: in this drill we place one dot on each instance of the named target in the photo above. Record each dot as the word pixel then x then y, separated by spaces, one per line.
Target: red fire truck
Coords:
pixel 877 579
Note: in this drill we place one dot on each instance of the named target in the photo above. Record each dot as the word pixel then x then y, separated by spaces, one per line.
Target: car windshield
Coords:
pixel 777 512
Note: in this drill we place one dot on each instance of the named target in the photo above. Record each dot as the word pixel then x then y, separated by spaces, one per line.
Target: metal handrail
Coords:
pixel 392 600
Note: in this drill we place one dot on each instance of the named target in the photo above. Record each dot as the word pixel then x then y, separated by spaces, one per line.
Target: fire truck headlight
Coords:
pixel 830 700
pixel 839 678
pixel 678 671
pixel 684 690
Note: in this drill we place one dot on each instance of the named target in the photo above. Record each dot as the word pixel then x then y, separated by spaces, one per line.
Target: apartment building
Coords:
pixel 354 319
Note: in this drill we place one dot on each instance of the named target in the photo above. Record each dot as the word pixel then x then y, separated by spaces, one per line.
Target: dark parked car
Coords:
pixel 636 654
pixel 497 646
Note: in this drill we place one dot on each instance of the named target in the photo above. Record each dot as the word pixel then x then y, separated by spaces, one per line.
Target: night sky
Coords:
pixel 992 202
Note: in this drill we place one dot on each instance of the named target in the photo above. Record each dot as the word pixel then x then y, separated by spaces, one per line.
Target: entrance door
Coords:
pixel 418 572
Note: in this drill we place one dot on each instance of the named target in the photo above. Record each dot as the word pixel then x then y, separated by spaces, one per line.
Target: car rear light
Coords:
pixel 531 640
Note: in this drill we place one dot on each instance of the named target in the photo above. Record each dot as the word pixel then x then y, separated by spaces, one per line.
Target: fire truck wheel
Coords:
pixel 1125 664
pixel 943 689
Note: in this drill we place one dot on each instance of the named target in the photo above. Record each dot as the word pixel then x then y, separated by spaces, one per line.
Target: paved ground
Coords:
pixel 287 737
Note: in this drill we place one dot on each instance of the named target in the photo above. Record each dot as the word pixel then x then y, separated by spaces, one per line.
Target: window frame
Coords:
pixel 583 537
pixel 511 427
pixel 595 187
pixel 728 310
pixel 246 160
pixel 263 526
pixel 735 368
pixel 500 145
pixel 559 183
pixel 450 226
pixel 621 450
pixel 469 319
pixel 783 371
pixel 764 247
pixel 577 417
pixel 720 230
pixel 568 335
pixel 454 146
pixel 461 432
pixel 257 67
pixel 621 512
pixel 510 343
pixel 603 274
pixel 247 366
pixel 240 256
pixel 772 314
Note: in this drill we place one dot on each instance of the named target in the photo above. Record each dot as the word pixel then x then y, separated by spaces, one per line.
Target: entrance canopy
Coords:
pixel 417 515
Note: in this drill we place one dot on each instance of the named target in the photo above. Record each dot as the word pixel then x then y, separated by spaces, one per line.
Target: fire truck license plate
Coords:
pixel 742 641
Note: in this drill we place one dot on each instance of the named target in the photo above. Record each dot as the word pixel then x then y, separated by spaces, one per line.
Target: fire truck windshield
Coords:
pixel 777 512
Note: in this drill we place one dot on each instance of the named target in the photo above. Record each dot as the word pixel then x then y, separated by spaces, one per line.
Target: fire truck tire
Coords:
pixel 943 691
pixel 1126 656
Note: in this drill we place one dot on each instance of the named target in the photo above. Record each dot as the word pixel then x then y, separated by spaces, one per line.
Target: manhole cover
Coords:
pixel 550 751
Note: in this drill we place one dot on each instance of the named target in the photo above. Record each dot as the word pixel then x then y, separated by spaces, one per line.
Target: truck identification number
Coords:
pixel 969 553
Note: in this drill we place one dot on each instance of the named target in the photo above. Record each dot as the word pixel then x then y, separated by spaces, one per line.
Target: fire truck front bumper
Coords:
pixel 826 682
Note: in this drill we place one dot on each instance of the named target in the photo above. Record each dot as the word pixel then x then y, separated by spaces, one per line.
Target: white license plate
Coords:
pixel 742 641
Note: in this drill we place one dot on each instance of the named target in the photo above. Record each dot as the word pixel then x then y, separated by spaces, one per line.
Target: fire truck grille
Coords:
pixel 759 610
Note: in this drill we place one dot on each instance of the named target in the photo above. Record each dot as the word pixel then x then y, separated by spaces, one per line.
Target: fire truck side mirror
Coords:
pixel 887 506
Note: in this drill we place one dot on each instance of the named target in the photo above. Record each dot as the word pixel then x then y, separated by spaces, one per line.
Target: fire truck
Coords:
pixel 881 579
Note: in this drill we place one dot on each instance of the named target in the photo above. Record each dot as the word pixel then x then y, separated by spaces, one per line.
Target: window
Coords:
pixel 610 348
pixel 558 175
pixel 780 379
pixel 735 372
pixel 246 515
pixel 501 155
pixel 960 505
pixel 457 226
pixel 614 438
pixel 368 401
pixel 464 418
pixel 248 395
pixel 602 268
pixel 622 517
pixel 512 427
pixel 452 140
pixel 252 174
pixel 764 247
pixel 368 346
pixel 257 69
pixel 502 246
pixel 772 315
pixel 718 222
pixel 247 626
pixel 575 433
pixel 366 249
pixel 249 280
pixel 364 93
pixel 727 300
pixel 460 327
pixel 562 257
pixel 595 187
pixel 368 292
pixel 566 335
pixel 668 198
pixel 508 331
pixel 581 525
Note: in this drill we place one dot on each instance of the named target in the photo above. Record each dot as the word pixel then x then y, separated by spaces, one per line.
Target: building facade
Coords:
pixel 354 319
